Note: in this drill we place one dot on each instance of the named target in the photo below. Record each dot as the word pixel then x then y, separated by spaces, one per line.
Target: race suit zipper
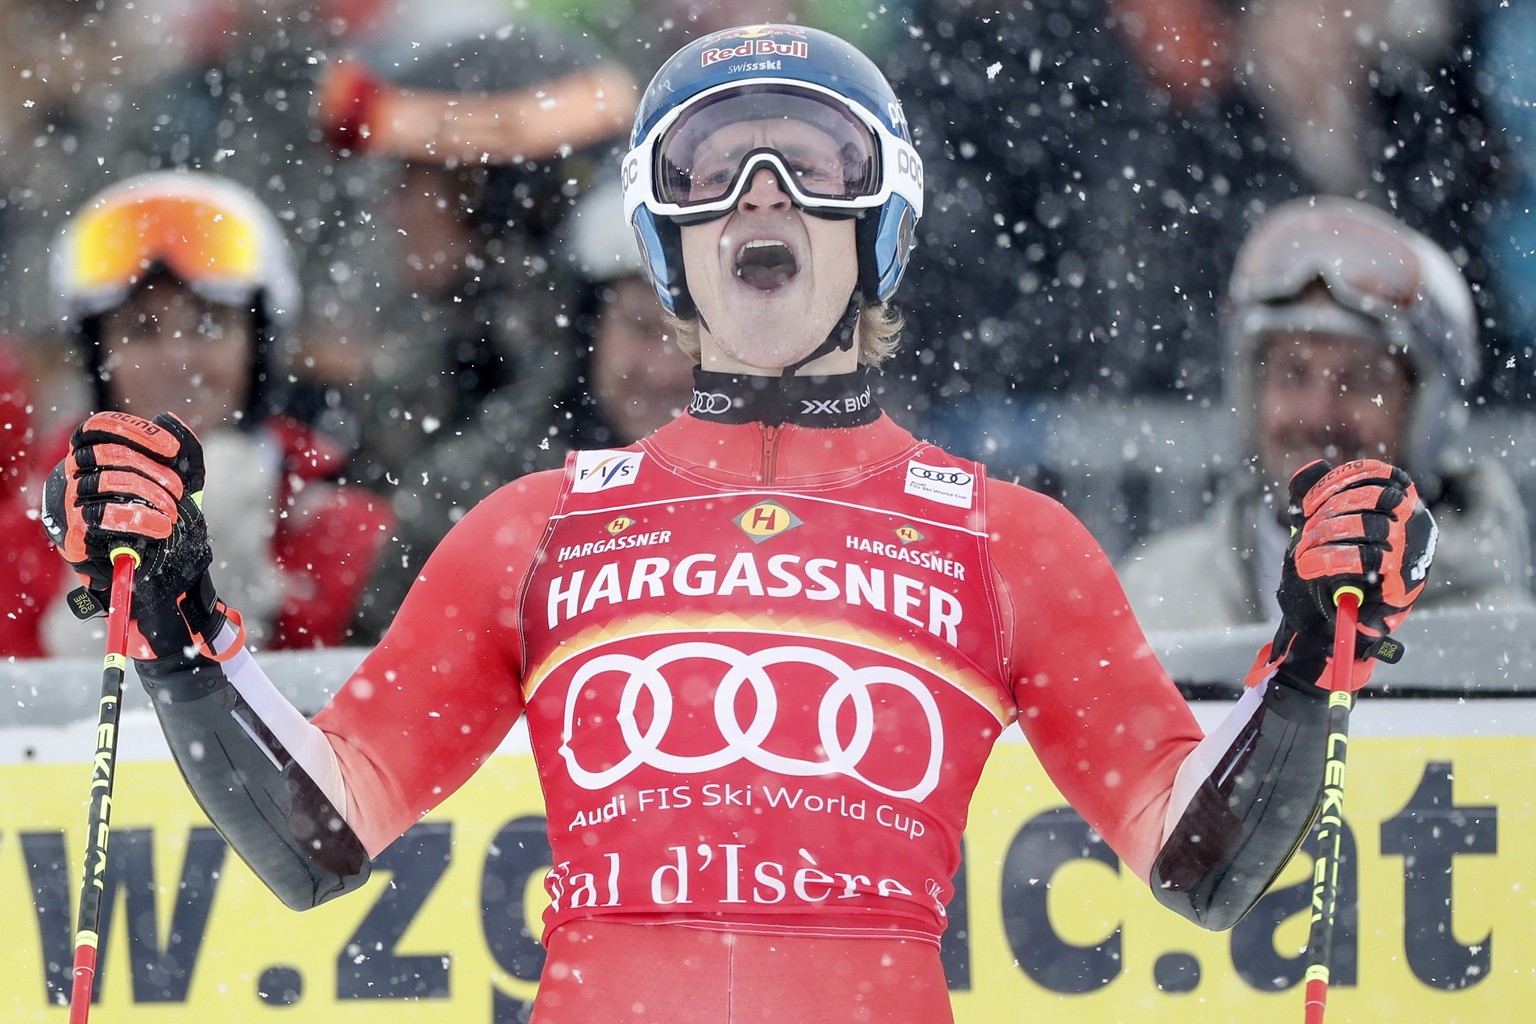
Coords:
pixel 770 453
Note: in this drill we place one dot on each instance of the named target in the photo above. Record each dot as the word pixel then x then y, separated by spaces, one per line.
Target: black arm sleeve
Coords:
pixel 1251 813
pixel 262 802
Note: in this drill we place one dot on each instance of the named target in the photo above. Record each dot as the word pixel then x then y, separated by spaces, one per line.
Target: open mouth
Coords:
pixel 765 264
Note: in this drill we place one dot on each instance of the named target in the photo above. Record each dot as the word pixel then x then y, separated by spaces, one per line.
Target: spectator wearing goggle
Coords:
pixel 193 245
pixel 177 288
pixel 1349 336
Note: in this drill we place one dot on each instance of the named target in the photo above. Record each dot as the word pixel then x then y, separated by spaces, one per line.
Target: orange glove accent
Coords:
pixel 1360 525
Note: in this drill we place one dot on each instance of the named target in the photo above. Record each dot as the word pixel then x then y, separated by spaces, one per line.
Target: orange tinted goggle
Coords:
pixel 116 245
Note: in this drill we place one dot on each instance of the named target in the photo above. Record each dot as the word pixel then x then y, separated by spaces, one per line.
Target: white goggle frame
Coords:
pixel 899 173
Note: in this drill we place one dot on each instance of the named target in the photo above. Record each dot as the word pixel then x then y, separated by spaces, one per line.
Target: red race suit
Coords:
pixel 762 668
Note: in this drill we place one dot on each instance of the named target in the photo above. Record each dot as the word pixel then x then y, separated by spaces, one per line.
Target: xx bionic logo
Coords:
pixel 611 686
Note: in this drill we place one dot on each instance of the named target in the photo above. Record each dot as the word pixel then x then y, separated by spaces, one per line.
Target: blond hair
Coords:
pixel 880 327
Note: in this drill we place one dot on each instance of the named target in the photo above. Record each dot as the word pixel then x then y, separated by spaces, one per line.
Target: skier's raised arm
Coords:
pixel 306 804
pixel 1246 797
pixel 279 802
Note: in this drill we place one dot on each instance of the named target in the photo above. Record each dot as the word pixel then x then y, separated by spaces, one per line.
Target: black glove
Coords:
pixel 1359 526
pixel 130 482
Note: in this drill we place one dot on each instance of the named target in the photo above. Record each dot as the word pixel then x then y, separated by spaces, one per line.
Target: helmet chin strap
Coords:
pixel 840 339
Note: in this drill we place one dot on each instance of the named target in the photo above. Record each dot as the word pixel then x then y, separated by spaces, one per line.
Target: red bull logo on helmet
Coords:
pixel 748 48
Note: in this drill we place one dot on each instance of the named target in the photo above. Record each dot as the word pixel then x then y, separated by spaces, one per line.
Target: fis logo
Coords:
pixel 766 519
pixel 605 469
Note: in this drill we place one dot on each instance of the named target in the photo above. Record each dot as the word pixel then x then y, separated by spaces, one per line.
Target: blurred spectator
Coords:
pixel 177 287
pixel 629 379
pixel 66 70
pixel 216 85
pixel 1095 164
pixel 63 68
pixel 1349 336
pixel 1385 101
pixel 485 141
pixel 16 436
pixel 238 101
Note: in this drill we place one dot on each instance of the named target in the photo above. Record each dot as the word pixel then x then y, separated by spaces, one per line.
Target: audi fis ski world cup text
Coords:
pixel 719 794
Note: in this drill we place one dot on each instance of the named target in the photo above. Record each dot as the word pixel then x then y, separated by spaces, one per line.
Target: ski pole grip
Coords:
pixel 1358 594
pixel 122 551
pixel 1348 601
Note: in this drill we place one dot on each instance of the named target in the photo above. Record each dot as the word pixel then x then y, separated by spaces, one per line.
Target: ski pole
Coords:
pixel 1325 872
pixel 92 885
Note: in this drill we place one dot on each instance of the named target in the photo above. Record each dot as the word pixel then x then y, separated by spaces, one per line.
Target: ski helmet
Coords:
pixel 769 72
pixel 1387 285
pixel 205 231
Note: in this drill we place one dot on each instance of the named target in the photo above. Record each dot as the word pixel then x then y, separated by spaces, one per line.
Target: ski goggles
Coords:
pixel 216 250
pixel 828 155
pixel 1365 266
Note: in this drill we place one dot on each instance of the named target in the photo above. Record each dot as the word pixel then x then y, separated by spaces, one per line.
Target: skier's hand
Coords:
pixel 130 482
pixel 1361 526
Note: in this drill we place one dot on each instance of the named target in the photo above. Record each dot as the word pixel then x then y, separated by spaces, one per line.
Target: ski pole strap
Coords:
pixel 190 624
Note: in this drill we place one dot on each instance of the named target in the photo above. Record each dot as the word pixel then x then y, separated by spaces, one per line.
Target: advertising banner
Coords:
pixel 1435 924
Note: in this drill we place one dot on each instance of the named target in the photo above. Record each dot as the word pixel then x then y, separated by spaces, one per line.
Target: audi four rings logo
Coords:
pixel 941 476
pixel 854 756
pixel 709 403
